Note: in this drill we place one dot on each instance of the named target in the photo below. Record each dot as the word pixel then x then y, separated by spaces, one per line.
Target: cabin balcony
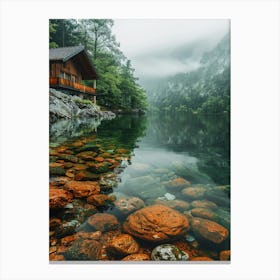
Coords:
pixel 67 84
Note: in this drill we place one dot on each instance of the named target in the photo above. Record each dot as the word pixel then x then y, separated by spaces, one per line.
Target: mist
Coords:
pixel 163 47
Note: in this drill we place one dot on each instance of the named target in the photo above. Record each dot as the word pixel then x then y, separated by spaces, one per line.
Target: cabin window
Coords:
pixel 73 79
pixel 66 76
pixel 61 75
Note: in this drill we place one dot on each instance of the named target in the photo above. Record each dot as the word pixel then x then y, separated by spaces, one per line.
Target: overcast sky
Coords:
pixel 162 47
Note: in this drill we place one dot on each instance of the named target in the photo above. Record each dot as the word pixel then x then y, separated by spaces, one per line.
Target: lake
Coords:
pixel 180 161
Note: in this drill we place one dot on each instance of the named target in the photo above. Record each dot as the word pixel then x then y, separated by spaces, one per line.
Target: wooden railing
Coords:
pixel 54 81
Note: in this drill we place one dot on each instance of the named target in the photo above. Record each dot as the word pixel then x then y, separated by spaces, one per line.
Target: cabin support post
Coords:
pixel 94 99
pixel 94 84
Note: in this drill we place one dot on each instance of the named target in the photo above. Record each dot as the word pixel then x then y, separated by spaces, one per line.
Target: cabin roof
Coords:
pixel 79 56
pixel 66 53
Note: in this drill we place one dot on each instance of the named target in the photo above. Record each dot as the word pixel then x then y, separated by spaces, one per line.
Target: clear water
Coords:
pixel 162 147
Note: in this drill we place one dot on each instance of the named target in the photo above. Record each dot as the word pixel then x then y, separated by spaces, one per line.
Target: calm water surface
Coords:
pixel 162 147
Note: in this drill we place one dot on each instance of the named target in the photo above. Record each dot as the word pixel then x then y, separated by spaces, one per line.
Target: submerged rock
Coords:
pixel 203 204
pixel 137 257
pixel 82 189
pixel 58 198
pixel 196 192
pixel 122 245
pixel 84 250
pixel 67 228
pixel 127 205
pixel 209 230
pixel 156 223
pixel 168 252
pixel 177 184
pixel 103 222
pixel 98 199
pixel 176 204
pixel 224 255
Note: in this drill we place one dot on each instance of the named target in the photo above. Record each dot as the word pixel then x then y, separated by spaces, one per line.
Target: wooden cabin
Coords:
pixel 70 66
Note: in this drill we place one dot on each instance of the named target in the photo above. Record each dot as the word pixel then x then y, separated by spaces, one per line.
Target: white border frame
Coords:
pixel 255 138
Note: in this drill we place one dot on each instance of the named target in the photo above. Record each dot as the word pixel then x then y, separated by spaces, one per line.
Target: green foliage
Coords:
pixel 116 82
pixel 83 101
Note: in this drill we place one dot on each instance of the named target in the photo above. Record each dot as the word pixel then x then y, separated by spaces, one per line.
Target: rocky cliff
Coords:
pixel 66 106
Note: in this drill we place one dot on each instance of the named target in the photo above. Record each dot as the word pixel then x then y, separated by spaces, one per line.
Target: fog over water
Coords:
pixel 164 47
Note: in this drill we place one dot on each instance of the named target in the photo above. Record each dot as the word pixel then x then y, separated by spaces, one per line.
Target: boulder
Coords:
pixel 168 252
pixel 85 175
pixel 137 257
pixel 84 250
pixel 205 213
pixel 103 222
pixel 218 196
pixel 98 199
pixel 209 231
pixel 67 228
pixel 203 204
pixel 156 223
pixel 58 198
pixel 87 155
pixel 122 245
pixel 127 205
pixel 177 184
pixel 176 204
pixel 82 189
pixel 195 192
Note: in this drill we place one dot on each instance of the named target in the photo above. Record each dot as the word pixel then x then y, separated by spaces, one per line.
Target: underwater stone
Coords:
pixel 168 252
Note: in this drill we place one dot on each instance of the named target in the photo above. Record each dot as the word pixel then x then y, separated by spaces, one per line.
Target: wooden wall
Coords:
pixel 68 67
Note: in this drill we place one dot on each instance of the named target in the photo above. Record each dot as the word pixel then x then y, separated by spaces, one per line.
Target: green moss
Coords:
pixel 83 101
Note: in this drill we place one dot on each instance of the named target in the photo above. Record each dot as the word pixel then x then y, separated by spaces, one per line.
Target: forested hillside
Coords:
pixel 206 90
pixel 116 81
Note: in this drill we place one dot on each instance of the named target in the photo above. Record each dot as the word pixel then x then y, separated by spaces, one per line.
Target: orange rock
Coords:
pixel 61 149
pixel 203 204
pixel 67 240
pixel 89 235
pixel 87 155
pixel 122 245
pixel 224 255
pixel 201 259
pixel 178 183
pixel 103 222
pixel 61 249
pixel 99 159
pixel 98 199
pixel 56 164
pixel 78 144
pixel 80 166
pixel 122 151
pixel 205 213
pixel 174 204
pixel 55 257
pixel 84 175
pixel 58 198
pixel 70 173
pixel 209 230
pixel 137 257
pixel 82 189
pixel 156 223
pixel 196 192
